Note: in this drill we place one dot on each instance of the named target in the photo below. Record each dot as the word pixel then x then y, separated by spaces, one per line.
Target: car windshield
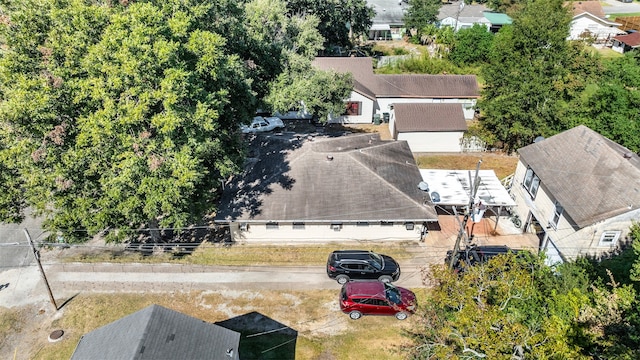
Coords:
pixel 392 294
pixel 377 260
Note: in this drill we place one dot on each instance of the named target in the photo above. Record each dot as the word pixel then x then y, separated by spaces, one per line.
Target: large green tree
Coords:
pixel 422 13
pixel 516 307
pixel 471 45
pixel 120 117
pixel 528 66
pixel 610 104
pixel 341 21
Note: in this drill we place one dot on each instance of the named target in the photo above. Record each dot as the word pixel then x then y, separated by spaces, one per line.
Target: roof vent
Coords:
pixel 538 139
pixel 435 197
pixel 329 157
pixel 628 155
pixel 423 186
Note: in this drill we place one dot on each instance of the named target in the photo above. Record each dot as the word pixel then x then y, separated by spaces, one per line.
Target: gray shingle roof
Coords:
pixel 469 11
pixel 389 12
pixel 587 174
pixel 429 117
pixel 404 86
pixel 348 178
pixel 155 333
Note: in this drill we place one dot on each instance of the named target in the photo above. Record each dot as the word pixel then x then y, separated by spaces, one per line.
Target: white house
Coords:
pixel 375 94
pixel 461 16
pixel 589 21
pixel 321 189
pixel 428 127
pixel 579 191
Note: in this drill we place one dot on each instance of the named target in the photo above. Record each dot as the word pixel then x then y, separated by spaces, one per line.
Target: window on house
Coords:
pixel 609 238
pixel 557 212
pixel 353 108
pixel 362 223
pixel 298 226
pixel 386 223
pixel 531 182
pixel 409 225
pixel 272 226
pixel 336 226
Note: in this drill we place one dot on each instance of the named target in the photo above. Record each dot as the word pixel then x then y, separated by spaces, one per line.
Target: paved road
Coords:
pixel 618 7
pixel 14 248
pixel 67 280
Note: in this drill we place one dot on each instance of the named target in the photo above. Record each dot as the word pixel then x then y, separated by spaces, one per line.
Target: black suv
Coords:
pixel 345 265
pixel 476 255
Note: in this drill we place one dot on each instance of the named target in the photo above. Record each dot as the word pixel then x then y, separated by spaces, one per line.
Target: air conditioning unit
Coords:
pixel 336 227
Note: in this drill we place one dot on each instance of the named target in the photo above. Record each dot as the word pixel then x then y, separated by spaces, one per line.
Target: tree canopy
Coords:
pixel 422 13
pixel 528 63
pixel 516 307
pixel 120 117
pixel 341 21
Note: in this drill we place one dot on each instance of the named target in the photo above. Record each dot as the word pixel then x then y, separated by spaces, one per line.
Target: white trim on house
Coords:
pixel 600 29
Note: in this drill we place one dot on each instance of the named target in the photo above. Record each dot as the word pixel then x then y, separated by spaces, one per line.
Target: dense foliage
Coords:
pixel 421 14
pixel 518 308
pixel 119 116
pixel 341 21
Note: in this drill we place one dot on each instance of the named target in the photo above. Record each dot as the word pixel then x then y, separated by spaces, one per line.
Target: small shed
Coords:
pixel 429 127
pixel 624 43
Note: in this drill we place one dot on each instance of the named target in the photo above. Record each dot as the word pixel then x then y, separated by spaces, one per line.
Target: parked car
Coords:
pixel 345 265
pixel 476 255
pixel 262 124
pixel 359 298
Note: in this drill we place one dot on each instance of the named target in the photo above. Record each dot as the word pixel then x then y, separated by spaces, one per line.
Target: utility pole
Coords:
pixel 36 254
pixel 462 233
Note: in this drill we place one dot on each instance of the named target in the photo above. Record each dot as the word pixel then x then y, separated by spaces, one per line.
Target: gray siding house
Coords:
pixel 579 191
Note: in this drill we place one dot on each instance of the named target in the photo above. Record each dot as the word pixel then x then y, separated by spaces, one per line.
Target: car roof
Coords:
pixel 365 288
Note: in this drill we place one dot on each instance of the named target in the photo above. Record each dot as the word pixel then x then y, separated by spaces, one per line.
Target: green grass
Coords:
pixel 243 255
pixel 614 16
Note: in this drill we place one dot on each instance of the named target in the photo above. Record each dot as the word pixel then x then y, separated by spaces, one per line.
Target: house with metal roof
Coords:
pixel 428 127
pixel 156 332
pixel 375 95
pixel 322 188
pixel 579 191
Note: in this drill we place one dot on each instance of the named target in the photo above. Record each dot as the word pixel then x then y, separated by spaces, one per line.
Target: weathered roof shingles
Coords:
pixel 429 117
pixel 586 173
pixel 349 178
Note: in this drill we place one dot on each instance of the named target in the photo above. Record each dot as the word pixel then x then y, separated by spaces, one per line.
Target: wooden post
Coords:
pixel 36 254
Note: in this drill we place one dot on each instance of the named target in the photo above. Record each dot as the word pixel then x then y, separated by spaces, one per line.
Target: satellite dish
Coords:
pixel 538 139
pixel 435 197
pixel 423 186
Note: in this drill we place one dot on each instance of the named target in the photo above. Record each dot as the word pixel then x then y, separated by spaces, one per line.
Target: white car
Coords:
pixel 262 124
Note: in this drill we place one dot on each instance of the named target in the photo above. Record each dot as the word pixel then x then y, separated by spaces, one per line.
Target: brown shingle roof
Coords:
pixel 586 173
pixel 591 7
pixel 360 67
pixel 348 178
pixel 429 117
pixel 632 39
pixel 427 86
pixel 402 86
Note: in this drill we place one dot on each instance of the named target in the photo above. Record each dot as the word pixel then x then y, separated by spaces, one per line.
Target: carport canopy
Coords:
pixel 453 187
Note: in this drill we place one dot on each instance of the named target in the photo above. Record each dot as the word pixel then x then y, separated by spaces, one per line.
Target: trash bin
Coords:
pixel 376 119
pixel 385 116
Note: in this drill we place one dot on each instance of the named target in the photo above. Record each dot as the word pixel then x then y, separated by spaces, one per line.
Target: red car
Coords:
pixel 359 298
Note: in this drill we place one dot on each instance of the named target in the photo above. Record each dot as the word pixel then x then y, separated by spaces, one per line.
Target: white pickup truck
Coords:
pixel 262 124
